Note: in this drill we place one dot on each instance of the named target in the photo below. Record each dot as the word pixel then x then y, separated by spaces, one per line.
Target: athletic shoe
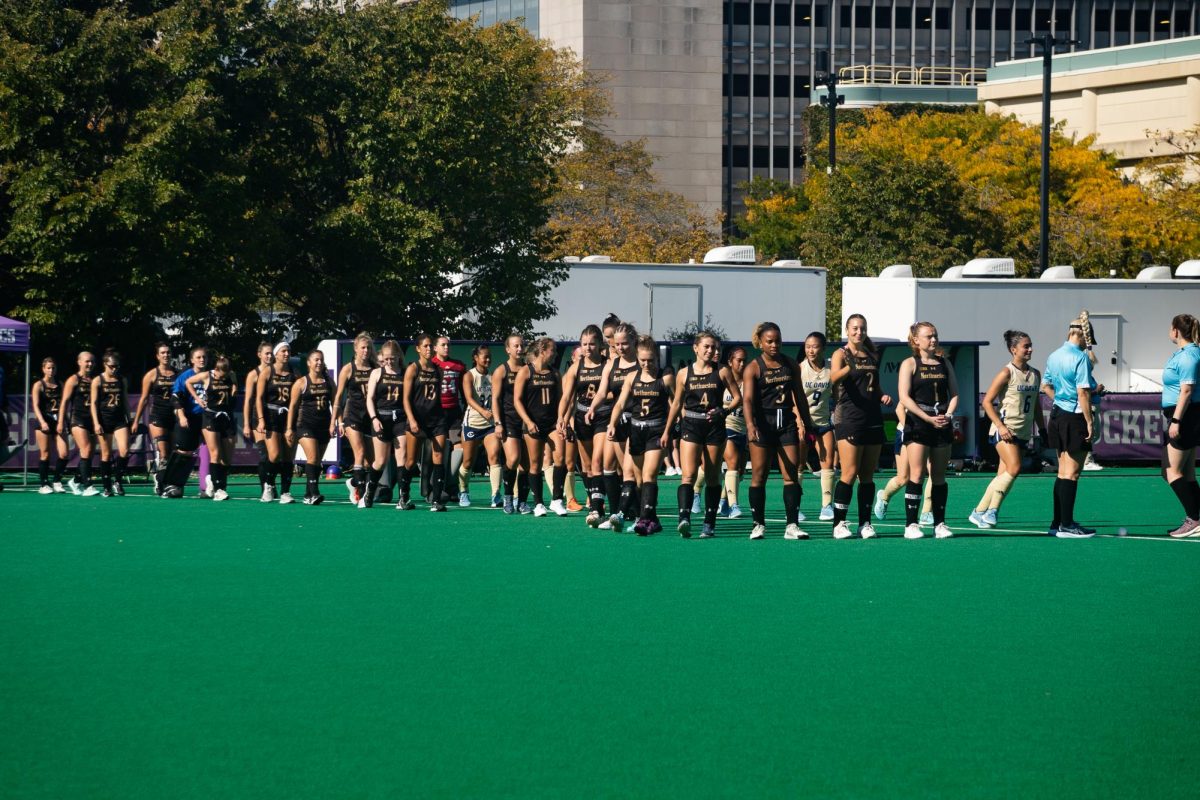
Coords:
pixel 707 531
pixel 405 504
pixel 866 530
pixel 208 485
pixel 989 517
pixel 593 519
pixel 926 518
pixel 978 520
pixel 286 498
pixel 615 523
pixel 362 503
pixel 685 528
pixel 1090 465
pixel 45 489
pixel 176 492
pixel 119 489
pixel 573 505
pixel 437 507
pixel 723 508
pixel 509 506
pixel 205 493
pixel 268 494
pixel 793 532
pixel 914 532
pixel 1074 531
pixel 558 508
pixel 523 508
pixel 1188 529
pixel 942 531
pixel 696 505
pixel 642 527
pixel 108 492
pixel 464 500
pixel 735 511
pixel 842 530
pixel 92 491
pixel 309 500
pixel 58 487
pixel 826 514
pixel 219 495
pixel 383 495
pixel 540 510
pixel 758 531
pixel 655 526
pixel 497 501
pixel 800 516
pixel 76 487
pixel 880 507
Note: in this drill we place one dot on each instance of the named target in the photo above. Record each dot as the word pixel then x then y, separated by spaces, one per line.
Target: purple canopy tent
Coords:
pixel 14 338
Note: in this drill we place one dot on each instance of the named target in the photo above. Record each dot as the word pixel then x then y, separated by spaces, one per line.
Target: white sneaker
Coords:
pixel 926 518
pixel 758 531
pixel 800 516
pixel 696 505
pixel 826 514
pixel 464 500
pixel 219 495
pixel 914 532
pixel 866 530
pixel 880 507
pixel 593 519
pixel 735 511
pixel 793 532
pixel 684 528
pixel 208 486
pixel 362 502
pixel 540 510
pixel 1090 464
pixel 989 517
pixel 46 489
pixel 268 494
pixel 942 531
pixel 842 531
pixel 978 519
pixel 90 491
pixel 286 498
pixel 58 487
pixel 76 489
pixel 615 523
pixel 559 508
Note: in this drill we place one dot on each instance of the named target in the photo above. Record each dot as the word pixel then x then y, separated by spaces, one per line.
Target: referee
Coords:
pixel 1067 380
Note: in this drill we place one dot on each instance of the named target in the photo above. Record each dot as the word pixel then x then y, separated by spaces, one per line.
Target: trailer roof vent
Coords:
pixel 733 254
pixel 570 259
pixel 897 271
pixel 953 274
pixel 1064 272
pixel 989 268
pixel 1155 272
pixel 596 259
pixel 1189 269
pixel 788 262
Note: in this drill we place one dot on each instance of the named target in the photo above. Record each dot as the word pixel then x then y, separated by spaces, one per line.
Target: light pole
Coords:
pixel 831 100
pixel 1047 42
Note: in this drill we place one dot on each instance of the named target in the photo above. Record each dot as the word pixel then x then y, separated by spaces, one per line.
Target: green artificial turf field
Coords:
pixel 187 649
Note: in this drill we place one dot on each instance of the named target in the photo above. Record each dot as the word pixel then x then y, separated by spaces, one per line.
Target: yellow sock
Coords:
pixel 893 486
pixel 731 487
pixel 569 487
pixel 464 478
pixel 985 501
pixel 927 505
pixel 496 476
pixel 827 487
pixel 1001 484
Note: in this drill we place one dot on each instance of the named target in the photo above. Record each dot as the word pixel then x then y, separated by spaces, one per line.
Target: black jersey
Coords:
pixel 389 392
pixel 775 386
pixel 616 379
pixel 703 393
pixel 219 394
pixel 161 390
pixel 49 399
pixel 859 392
pixel 930 386
pixel 81 402
pixel 587 381
pixel 279 389
pixel 426 397
pixel 507 383
pixel 543 390
pixel 649 399
pixel 110 398
pixel 315 402
pixel 356 389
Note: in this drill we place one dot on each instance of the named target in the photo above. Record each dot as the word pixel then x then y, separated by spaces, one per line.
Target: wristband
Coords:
pixel 1176 422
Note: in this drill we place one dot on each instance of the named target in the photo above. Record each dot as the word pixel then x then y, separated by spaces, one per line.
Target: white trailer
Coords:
pixel 661 297
pixel 1130 317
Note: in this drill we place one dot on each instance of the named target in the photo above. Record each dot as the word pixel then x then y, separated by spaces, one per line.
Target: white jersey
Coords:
pixel 482 384
pixel 1016 404
pixel 816 391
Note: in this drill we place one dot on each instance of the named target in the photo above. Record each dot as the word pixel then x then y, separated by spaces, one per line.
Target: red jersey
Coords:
pixel 452 375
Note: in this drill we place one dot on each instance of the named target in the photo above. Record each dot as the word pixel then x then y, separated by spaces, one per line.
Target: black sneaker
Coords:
pixel 1074 531
pixel 438 507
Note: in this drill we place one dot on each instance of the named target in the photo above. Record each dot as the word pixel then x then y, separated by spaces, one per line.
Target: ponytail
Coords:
pixel 1188 327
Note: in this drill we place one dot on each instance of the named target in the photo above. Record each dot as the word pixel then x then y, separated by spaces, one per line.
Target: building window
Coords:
pixel 1141 21
pixel 941 19
pixel 983 19
pixel 1003 19
pixel 903 18
pixel 1103 19
pixel 762 13
pixel 783 14
pixel 762 85
pixel 762 156
pixel 1123 17
pixel 781 85
pixel 741 13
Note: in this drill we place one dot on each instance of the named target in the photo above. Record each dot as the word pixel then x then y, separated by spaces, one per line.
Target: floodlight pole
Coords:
pixel 1047 42
pixel 831 100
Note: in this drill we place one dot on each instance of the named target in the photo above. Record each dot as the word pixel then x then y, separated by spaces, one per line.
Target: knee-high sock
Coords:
pixel 567 483
pixel 219 472
pixel 927 496
pixel 758 504
pixel 372 485
pixel 495 473
pixel 44 471
pixel 106 472
pixel 1067 491
pixel 629 499
pixel 358 476
pixel 84 471
pixel 712 500
pixel 732 479
pixel 1057 518
pixel 121 465
pixel 1183 491
pixel 264 466
pixel 985 502
pixel 312 480
pixel 464 478
pixel 791 502
pixel 826 487
pixel 286 472
pixel 892 486
pixel 1000 487
pixel 595 487
pixel 866 498
pixel 510 481
pixel 842 494
pixel 536 485
pixel 912 503
pixel 558 480
pixel 684 495
pixel 649 500
pixel 522 485
pixel 437 479
pixel 939 494
pixel 59 468
pixel 404 481
pixel 698 484
pixel 612 488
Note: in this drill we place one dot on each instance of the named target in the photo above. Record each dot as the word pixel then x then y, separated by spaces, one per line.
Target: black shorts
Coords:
pixel 220 423
pixel 513 426
pixel 861 433
pixel 275 421
pixel 541 432
pixel 431 426
pixel 355 418
pixel 1189 427
pixel 702 431
pixel 392 424
pixel 112 424
pixel 622 431
pixel 644 438
pixel 83 422
pixel 918 431
pixel 314 429
pixel 776 432
pixel 1067 432
pixel 188 439
pixel 163 417
pixel 598 425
